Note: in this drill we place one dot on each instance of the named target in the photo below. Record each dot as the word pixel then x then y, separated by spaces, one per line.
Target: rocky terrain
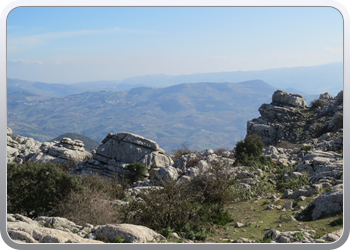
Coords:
pixel 307 139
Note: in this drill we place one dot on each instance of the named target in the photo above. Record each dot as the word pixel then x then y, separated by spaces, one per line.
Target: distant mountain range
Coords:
pixel 304 80
pixel 202 115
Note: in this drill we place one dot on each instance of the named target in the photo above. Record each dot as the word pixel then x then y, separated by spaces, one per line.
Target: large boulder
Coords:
pixel 328 203
pixel 119 150
pixel 284 97
pixel 130 233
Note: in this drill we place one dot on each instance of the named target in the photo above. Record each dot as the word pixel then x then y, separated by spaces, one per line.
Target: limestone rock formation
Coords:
pixel 328 203
pixel 294 100
pixel 22 229
pixel 44 229
pixel 288 118
pixel 21 149
pixel 119 150
pixel 130 233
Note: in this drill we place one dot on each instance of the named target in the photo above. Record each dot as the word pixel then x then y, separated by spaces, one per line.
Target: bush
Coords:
pixel 198 203
pixel 192 162
pixel 213 186
pixel 34 189
pixel 111 187
pixel 88 205
pixel 317 103
pixel 291 183
pixel 299 235
pixel 252 146
pixel 183 150
pixel 171 207
pixel 219 151
pixel 138 171
pixel 306 148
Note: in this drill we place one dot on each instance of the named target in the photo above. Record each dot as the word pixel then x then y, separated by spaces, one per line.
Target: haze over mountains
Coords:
pixel 208 111
pixel 312 80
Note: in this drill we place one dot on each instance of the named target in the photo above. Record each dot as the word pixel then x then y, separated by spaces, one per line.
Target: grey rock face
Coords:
pixel 287 118
pixel 131 233
pixel 27 149
pixel 283 97
pixel 24 230
pixel 328 203
pixel 120 149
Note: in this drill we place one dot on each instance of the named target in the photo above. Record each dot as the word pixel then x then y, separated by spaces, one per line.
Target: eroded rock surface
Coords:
pixel 119 150
pixel 21 149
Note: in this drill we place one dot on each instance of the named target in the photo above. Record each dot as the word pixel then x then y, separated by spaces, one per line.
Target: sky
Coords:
pixel 78 44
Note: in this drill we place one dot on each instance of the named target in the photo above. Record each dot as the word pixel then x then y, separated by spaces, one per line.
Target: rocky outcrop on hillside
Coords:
pixel 288 118
pixel 119 150
pixel 21 149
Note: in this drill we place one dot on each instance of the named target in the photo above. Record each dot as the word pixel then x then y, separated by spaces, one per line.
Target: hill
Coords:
pixel 202 115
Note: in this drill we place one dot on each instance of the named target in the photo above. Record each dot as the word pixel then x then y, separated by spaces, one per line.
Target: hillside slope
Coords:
pixel 204 115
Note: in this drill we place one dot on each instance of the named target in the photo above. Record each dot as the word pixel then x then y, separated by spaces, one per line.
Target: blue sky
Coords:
pixel 76 44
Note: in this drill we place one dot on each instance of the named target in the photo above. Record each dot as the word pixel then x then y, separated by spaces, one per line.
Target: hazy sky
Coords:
pixel 76 44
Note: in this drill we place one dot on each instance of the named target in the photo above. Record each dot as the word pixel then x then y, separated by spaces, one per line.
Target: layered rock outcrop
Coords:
pixel 288 118
pixel 21 149
pixel 44 229
pixel 119 150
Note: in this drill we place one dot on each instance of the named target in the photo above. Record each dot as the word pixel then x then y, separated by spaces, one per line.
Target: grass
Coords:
pixel 252 214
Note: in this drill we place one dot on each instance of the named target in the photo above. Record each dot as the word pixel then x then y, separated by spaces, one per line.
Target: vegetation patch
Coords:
pixel 34 189
pixel 317 103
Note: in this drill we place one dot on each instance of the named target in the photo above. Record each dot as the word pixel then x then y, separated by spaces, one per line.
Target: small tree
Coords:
pixel 251 146
pixel 138 171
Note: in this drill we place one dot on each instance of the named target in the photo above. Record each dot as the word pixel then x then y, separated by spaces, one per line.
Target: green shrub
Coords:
pixel 317 103
pixel 171 207
pixel 138 171
pixel 251 146
pixel 291 183
pixel 213 186
pixel 34 189
pixel 306 148
pixel 119 239
pixel 166 232
pixel 299 235
pixel 198 203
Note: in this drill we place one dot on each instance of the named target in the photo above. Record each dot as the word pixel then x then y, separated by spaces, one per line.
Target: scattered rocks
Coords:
pixel 60 230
